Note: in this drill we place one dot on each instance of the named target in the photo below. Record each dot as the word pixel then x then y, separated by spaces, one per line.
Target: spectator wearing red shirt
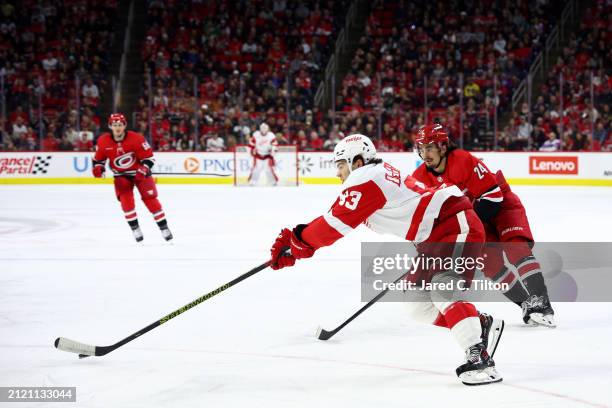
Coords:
pixel 83 143
pixel 18 113
pixel 49 143
pixel 316 143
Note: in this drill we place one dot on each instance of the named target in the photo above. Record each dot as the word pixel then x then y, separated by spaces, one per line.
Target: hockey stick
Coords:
pixel 323 334
pixel 86 350
pixel 192 174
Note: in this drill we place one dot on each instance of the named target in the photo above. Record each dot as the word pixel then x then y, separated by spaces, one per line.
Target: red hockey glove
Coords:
pixel 98 170
pixel 297 249
pixel 142 173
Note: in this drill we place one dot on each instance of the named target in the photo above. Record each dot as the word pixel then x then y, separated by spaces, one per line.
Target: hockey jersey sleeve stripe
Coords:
pixel 495 200
pixel 428 211
pixel 149 162
pixel 417 217
pixel 337 224
pixel 319 233
pixel 495 195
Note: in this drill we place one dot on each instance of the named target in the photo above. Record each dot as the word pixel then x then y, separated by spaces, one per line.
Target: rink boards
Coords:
pixel 520 168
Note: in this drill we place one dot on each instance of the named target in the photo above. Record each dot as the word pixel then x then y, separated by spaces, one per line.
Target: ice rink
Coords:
pixel 69 267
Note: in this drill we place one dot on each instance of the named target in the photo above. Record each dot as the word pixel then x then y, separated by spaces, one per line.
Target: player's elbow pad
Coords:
pixel 486 209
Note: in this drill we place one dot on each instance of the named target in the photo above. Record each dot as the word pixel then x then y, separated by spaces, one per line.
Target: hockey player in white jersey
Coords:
pixel 376 194
pixel 263 146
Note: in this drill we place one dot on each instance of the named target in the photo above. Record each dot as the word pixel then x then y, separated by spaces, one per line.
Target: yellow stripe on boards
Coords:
pixel 319 180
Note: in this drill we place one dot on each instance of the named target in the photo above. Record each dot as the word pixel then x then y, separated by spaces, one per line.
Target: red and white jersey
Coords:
pixel 263 144
pixel 376 196
pixel 465 171
pixel 125 156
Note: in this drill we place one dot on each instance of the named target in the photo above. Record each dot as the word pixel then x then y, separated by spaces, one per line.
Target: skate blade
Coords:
pixel 539 319
pixel 485 376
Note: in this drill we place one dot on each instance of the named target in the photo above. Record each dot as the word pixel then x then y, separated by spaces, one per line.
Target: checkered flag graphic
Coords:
pixel 41 165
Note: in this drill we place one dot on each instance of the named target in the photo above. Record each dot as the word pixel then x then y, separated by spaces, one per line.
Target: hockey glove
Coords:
pixel 98 170
pixel 289 247
pixel 142 173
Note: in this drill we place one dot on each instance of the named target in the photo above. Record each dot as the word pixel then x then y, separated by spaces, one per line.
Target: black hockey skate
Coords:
pixel 492 330
pixel 537 311
pixel 479 368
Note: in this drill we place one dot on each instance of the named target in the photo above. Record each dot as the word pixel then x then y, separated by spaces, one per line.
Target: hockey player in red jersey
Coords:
pixel 375 194
pixel 502 214
pixel 131 159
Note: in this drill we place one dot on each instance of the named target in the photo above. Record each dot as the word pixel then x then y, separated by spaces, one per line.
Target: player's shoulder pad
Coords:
pixel 135 135
pixel 419 172
pixel 462 155
pixel 104 137
pixel 369 172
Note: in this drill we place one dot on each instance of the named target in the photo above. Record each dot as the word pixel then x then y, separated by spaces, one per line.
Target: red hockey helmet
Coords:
pixel 434 133
pixel 117 117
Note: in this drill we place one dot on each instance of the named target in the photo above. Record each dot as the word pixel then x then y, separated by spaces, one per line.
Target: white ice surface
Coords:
pixel 69 267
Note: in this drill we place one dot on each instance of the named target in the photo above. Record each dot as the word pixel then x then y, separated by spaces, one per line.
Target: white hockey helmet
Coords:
pixel 264 128
pixel 352 146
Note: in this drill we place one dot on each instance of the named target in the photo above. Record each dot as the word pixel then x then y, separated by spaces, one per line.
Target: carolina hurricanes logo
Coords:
pixel 125 161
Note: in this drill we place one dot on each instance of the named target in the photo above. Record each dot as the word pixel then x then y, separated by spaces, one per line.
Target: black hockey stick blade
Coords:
pixel 86 350
pixel 323 334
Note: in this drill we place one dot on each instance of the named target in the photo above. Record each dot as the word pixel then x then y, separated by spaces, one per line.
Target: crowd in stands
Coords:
pixel 246 61
pixel 214 70
pixel 573 110
pixel 441 54
pixel 54 57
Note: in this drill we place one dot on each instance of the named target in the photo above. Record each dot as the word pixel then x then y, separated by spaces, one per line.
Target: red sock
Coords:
pixel 155 208
pixel 128 206
pixel 457 312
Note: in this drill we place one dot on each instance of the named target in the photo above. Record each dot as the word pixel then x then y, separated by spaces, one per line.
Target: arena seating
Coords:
pixel 44 46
